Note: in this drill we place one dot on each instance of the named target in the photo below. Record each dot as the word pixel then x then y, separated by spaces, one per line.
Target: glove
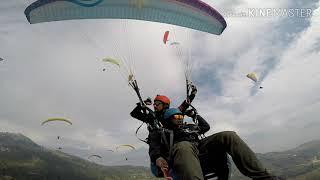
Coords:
pixel 192 93
pixel 190 113
pixel 194 89
pixel 148 101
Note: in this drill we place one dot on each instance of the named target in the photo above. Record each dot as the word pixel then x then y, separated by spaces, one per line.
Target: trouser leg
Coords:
pixel 216 162
pixel 244 158
pixel 186 164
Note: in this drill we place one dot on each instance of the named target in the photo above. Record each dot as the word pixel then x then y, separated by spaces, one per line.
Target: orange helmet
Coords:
pixel 163 99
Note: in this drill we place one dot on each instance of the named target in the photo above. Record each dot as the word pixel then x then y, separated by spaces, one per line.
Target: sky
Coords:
pixel 56 70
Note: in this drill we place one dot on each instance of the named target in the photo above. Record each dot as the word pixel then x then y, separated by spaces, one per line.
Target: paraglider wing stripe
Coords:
pixel 36 5
pixel 192 14
pixel 203 7
pixel 40 3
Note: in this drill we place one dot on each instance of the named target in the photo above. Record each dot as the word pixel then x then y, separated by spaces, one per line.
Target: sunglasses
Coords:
pixel 177 117
pixel 157 103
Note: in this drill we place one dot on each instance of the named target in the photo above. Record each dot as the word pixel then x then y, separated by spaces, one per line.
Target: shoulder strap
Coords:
pixel 170 144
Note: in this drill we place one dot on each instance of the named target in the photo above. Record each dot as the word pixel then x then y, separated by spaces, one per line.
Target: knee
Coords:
pixel 184 148
pixel 183 145
pixel 229 136
pixel 229 133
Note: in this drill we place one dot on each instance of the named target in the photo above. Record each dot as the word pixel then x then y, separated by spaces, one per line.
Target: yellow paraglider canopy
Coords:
pixel 57 119
pixel 252 76
pixel 112 61
pixel 125 145
pixel 125 148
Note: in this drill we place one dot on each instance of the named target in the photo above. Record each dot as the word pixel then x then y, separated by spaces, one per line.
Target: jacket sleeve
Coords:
pixel 203 125
pixel 138 113
pixel 154 140
pixel 185 105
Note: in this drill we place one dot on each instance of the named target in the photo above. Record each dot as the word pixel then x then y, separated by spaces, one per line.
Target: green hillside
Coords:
pixel 22 159
pixel 301 163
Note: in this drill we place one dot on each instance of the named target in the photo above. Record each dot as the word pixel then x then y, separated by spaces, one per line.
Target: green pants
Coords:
pixel 186 163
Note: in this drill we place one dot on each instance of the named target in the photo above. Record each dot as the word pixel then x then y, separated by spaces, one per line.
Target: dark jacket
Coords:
pixel 159 141
pixel 141 114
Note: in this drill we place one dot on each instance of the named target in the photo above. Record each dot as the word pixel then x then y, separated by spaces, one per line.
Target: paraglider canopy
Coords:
pixel 112 61
pixel 56 119
pixel 253 76
pixel 193 14
pixel 175 43
pixel 125 147
pixel 94 155
pixel 165 37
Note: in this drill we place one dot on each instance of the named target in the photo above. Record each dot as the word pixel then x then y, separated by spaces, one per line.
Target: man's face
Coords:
pixel 177 119
pixel 158 106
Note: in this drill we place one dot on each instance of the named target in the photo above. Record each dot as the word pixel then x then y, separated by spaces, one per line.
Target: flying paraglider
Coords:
pixel 112 61
pixel 165 37
pixel 56 119
pixel 125 147
pixel 254 78
pixel 174 43
pixel 95 155
pixel 192 14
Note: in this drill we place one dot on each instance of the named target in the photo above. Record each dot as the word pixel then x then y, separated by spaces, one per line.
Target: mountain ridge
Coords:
pixel 21 158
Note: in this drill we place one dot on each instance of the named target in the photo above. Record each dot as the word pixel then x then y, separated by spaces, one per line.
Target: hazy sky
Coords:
pixel 55 70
